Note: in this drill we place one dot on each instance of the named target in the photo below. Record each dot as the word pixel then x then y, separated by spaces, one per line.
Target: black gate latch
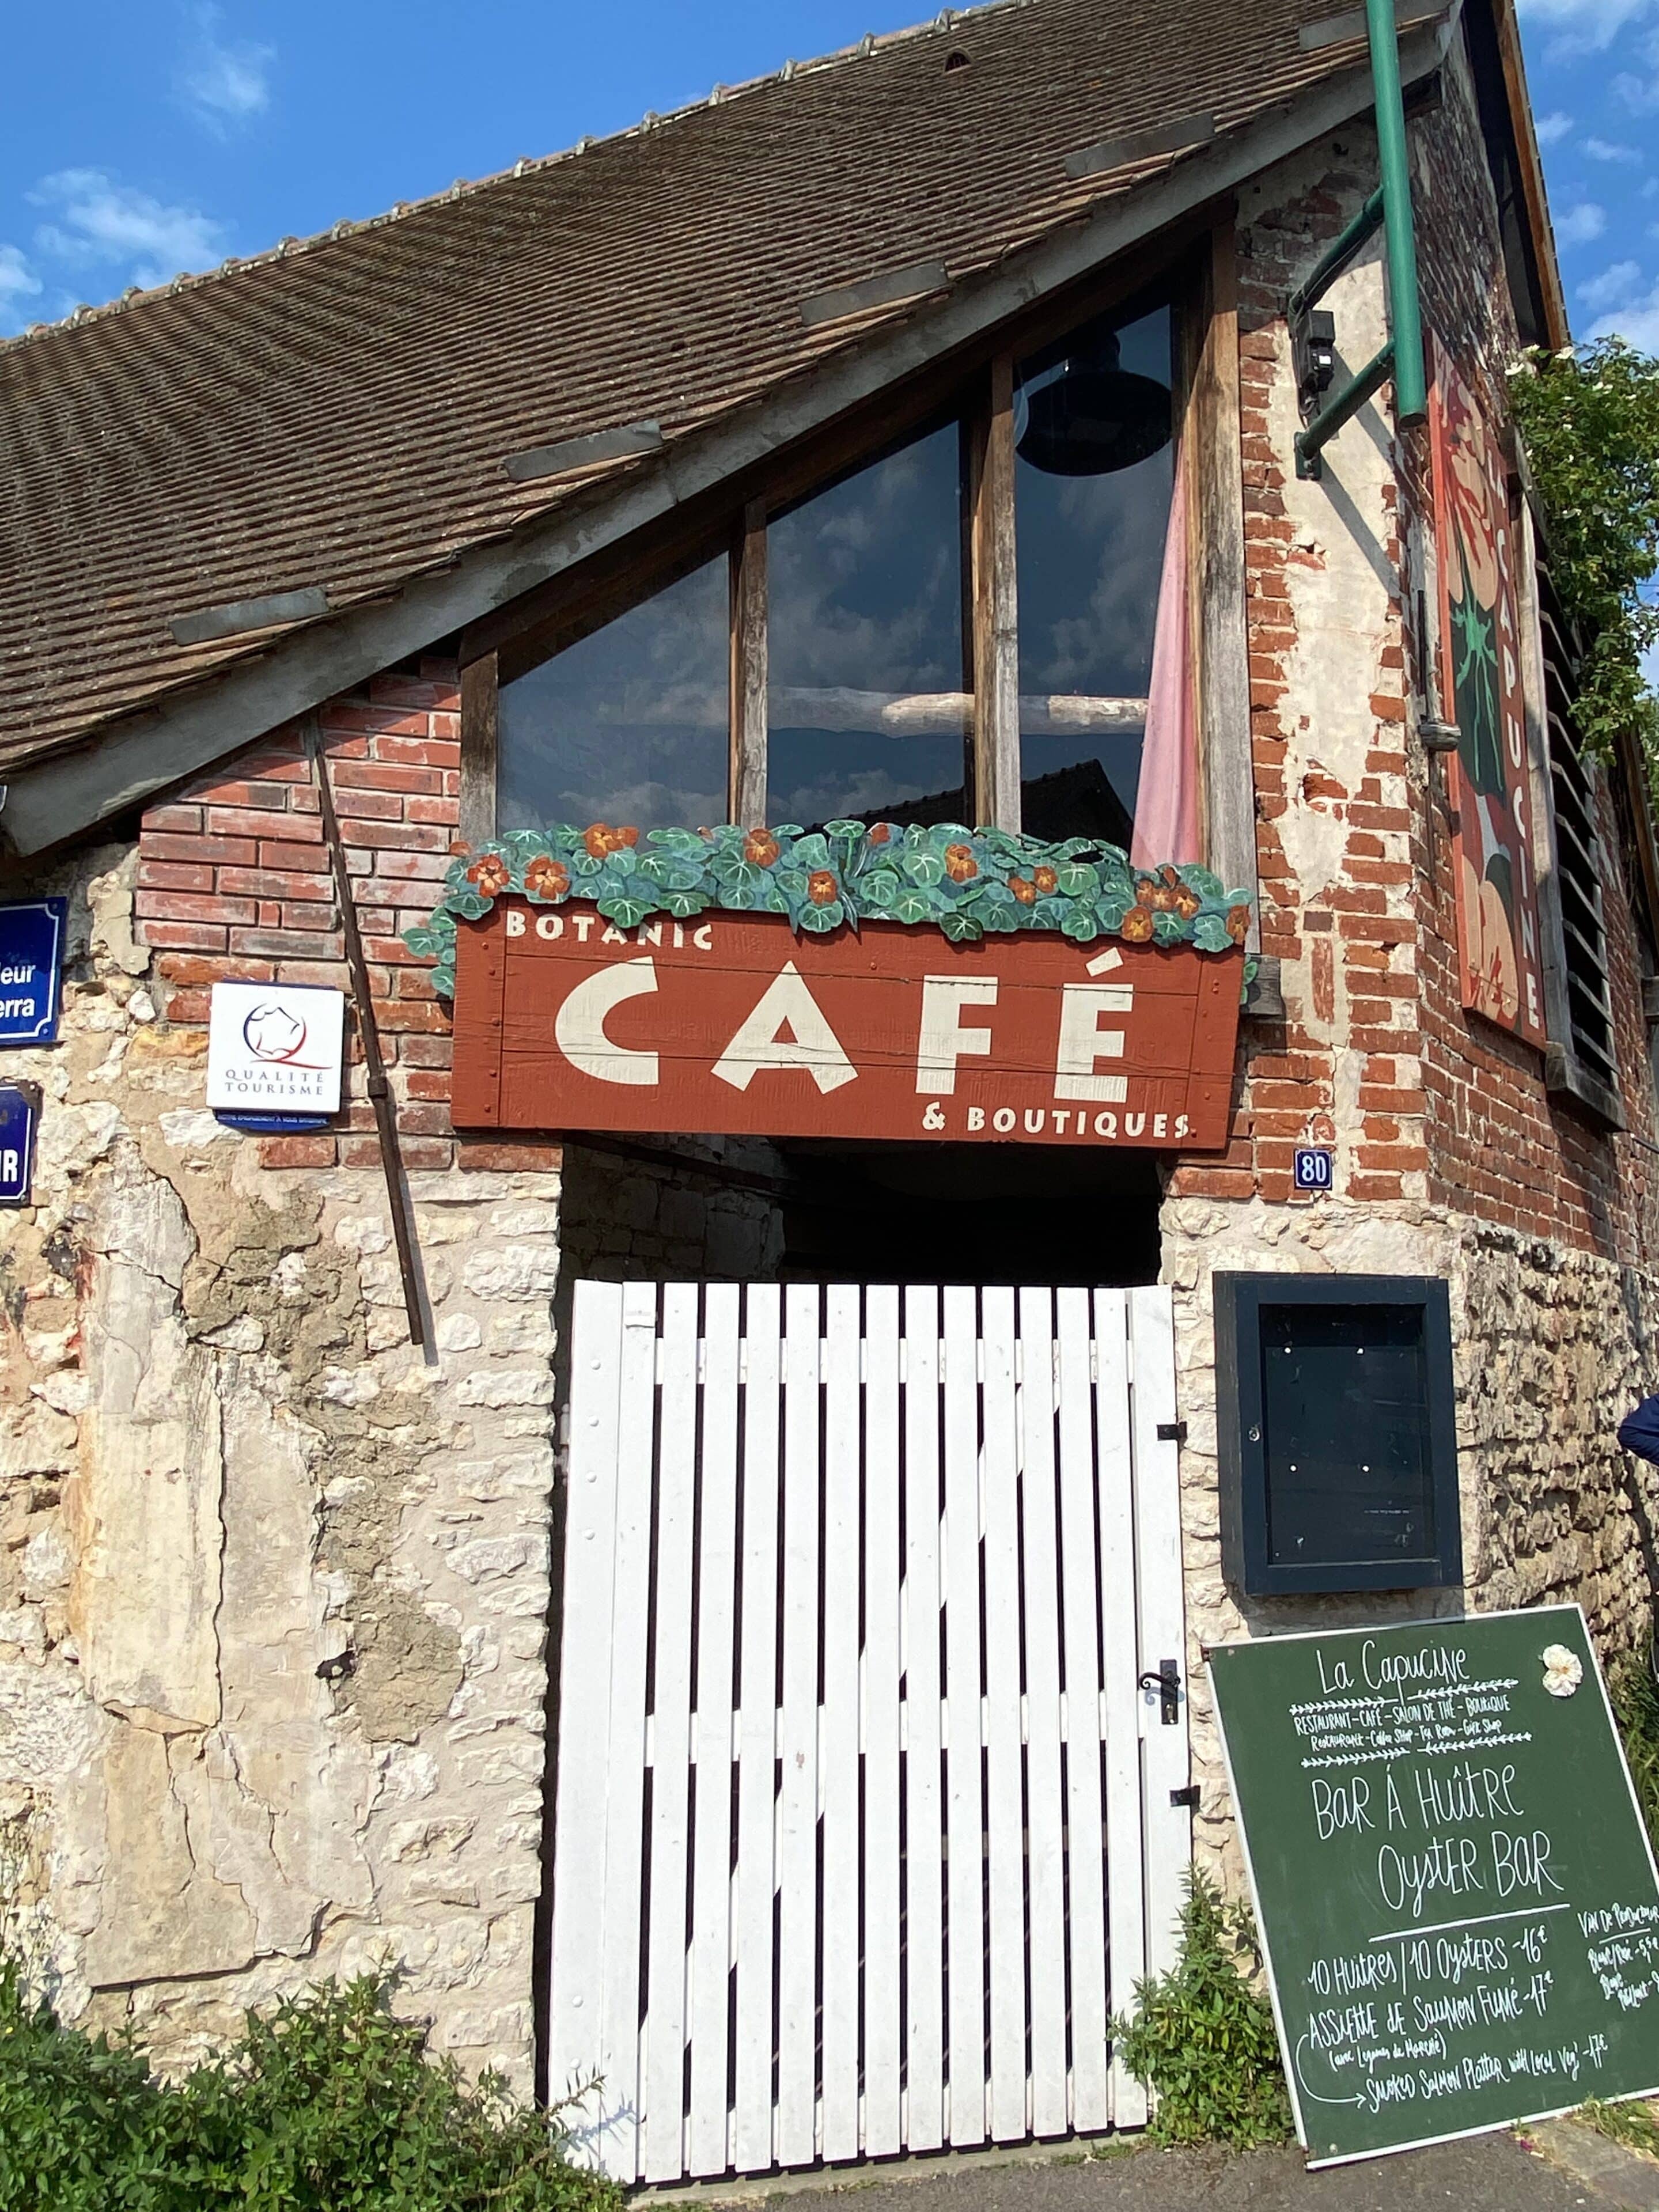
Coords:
pixel 1167 1683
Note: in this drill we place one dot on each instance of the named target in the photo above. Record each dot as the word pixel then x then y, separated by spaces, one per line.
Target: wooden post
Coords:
pixel 478 734
pixel 748 682
pixel 996 632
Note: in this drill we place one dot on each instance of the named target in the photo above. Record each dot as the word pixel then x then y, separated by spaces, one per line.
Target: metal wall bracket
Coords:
pixel 1167 1682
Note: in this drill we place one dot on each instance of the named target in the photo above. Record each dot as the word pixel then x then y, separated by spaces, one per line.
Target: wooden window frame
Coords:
pixel 977 387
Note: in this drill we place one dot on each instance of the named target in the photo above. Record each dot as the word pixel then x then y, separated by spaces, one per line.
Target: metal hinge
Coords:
pixel 1172 1433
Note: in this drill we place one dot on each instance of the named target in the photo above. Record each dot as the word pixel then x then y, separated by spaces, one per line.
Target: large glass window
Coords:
pixel 1093 476
pixel 866 707
pixel 630 726
pixel 857 601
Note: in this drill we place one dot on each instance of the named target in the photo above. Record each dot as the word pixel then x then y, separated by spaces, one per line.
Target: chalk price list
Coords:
pixel 1409 1762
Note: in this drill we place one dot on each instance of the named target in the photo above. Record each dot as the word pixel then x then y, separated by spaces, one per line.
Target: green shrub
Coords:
pixel 1635 1698
pixel 327 2105
pixel 1202 2039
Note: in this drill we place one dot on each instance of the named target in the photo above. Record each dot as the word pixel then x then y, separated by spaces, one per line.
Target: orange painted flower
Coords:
pixel 881 833
pixel 490 875
pixel 822 887
pixel 1045 879
pixel 1138 924
pixel 761 848
pixel 1024 889
pixel 601 839
pixel 1239 923
pixel 960 864
pixel 1147 891
pixel 546 878
pixel 1185 901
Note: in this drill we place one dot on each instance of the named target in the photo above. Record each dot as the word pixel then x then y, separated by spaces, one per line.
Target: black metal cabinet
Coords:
pixel 1336 1430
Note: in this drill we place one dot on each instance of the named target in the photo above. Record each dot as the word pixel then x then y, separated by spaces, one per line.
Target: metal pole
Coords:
pixel 379 1091
pixel 1347 402
pixel 1336 257
pixel 1405 320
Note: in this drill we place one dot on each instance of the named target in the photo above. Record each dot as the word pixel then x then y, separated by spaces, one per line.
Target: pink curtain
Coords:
pixel 1166 809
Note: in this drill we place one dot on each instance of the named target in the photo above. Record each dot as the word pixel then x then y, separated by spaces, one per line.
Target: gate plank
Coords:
pixel 757 1732
pixel 1081 1595
pixel 589 1578
pixel 1004 1764
pixel 798 1807
pixel 1163 1614
pixel 924 1850
pixel 1125 1928
pixel 662 2128
pixel 964 1812
pixel 711 1908
pixel 1045 1808
pixel 625 1793
pixel 843 1408
pixel 881 1721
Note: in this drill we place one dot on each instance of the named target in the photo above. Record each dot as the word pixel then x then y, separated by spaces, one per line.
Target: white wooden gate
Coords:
pixel 864 1822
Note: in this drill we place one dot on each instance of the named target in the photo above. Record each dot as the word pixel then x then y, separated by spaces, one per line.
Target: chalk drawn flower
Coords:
pixel 490 875
pixel 1564 1670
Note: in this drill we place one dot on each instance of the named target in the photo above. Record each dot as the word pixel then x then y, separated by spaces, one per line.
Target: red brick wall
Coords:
pixel 1447 1107
pixel 234 884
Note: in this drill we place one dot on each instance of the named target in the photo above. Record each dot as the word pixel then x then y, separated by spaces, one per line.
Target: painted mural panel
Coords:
pixel 1480 690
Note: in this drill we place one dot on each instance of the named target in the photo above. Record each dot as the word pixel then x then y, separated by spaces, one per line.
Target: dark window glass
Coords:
pixel 1345 1407
pixel 628 726
pixel 1093 470
pixel 863 592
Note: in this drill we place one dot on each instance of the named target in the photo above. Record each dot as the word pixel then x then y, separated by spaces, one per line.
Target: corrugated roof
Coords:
pixel 336 418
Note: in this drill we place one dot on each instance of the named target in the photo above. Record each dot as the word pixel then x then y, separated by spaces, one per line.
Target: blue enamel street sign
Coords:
pixel 20 1108
pixel 31 961
pixel 1312 1168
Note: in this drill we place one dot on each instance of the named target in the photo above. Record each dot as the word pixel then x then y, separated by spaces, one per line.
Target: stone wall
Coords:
pixel 273 1594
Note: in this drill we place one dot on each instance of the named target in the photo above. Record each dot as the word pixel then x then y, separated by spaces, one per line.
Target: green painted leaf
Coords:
pixel 911 906
pixel 1199 879
pixel 1167 929
pixel 682 904
pixel 924 867
pixel 879 888
pixel 1210 933
pixel 960 927
pixel 582 862
pixel 812 852
pixel 1076 879
pixel 1080 923
pixel 627 910
pixel 470 904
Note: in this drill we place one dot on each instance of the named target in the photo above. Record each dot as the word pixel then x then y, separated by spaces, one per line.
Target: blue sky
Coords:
pixel 161 135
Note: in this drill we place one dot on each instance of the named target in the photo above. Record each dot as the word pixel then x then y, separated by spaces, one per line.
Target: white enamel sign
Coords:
pixel 274 1048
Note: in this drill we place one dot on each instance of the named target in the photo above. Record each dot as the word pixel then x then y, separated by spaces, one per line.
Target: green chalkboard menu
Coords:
pixel 1456 1896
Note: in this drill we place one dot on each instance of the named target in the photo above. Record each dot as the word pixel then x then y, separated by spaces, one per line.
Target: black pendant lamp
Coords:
pixel 1090 418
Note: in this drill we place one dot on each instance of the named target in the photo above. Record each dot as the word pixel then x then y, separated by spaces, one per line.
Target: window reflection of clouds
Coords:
pixel 628 725
pixel 1091 551
pixel 864 590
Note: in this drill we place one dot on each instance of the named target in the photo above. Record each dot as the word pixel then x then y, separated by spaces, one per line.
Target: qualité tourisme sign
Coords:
pixel 730 1023
pixel 1457 1900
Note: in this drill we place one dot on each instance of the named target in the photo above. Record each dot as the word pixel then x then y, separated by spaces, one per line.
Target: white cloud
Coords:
pixel 224 82
pixel 1579 225
pixel 1637 321
pixel 1600 149
pixel 100 221
pixel 17 277
pixel 1583 26
pixel 1552 128
pixel 1613 287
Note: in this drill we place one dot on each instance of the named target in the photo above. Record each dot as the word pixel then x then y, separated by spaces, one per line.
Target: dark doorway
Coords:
pixel 970 1213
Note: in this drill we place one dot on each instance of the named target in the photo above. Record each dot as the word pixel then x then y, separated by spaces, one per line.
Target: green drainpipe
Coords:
pixel 1402 356
pixel 1405 321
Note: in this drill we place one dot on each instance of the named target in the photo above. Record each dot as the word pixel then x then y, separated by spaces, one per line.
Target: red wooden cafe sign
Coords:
pixel 730 1023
